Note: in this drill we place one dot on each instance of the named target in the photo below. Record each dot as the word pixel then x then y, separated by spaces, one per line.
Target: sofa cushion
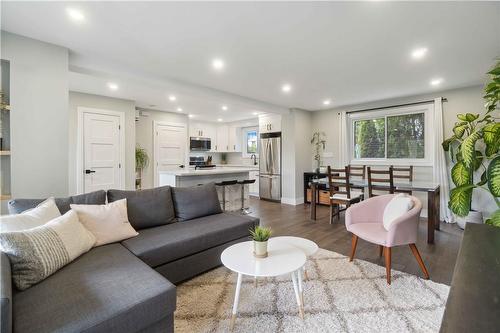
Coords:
pixel 17 206
pixel 5 294
pixel 31 218
pixel 147 208
pixel 196 201
pixel 106 290
pixel 160 245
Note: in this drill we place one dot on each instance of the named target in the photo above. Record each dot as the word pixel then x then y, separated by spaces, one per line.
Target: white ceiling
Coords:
pixel 349 52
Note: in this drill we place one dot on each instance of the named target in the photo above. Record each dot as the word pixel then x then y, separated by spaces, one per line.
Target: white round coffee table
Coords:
pixel 282 259
pixel 307 246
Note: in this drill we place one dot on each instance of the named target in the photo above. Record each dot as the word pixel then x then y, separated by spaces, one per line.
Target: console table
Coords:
pixel 474 301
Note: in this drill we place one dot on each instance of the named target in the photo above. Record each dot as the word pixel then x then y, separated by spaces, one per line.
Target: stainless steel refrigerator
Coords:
pixel 270 166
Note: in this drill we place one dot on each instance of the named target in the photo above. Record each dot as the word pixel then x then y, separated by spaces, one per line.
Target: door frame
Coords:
pixel 80 180
pixel 155 145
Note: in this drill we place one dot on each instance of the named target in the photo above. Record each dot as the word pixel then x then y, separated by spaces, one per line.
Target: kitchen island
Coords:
pixel 190 177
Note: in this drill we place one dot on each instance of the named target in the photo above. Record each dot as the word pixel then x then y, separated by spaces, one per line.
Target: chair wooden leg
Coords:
pixel 380 250
pixel 354 242
pixel 331 213
pixel 414 249
pixel 387 252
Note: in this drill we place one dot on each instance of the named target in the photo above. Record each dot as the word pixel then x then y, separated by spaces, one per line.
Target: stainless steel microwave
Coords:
pixel 199 144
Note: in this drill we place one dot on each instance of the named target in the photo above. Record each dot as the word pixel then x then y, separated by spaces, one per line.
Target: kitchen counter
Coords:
pixel 190 177
pixel 206 172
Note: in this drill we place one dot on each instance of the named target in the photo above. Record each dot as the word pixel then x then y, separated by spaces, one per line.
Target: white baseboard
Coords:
pixel 292 201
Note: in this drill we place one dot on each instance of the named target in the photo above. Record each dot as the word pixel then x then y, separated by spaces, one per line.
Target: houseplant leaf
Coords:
pixel 446 143
pixel 460 174
pixel 471 117
pixel 494 176
pixel 494 219
pixel 461 117
pixel 478 160
pixel 491 137
pixel 460 199
pixel 468 148
pixel 459 129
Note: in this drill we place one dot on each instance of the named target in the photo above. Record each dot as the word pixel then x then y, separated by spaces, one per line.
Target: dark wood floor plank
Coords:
pixel 439 257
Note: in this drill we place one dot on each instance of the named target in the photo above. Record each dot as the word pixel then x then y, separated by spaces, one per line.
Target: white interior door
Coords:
pixel 102 152
pixel 170 142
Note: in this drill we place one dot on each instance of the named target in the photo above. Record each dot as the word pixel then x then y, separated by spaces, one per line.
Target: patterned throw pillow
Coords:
pixel 37 253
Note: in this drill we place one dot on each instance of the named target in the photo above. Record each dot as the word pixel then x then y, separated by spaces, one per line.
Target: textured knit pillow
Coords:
pixel 398 206
pixel 109 223
pixel 35 217
pixel 37 253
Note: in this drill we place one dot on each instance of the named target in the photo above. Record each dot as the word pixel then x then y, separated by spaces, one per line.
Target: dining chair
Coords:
pixel 359 172
pixel 376 183
pixel 365 220
pixel 403 173
pixel 340 191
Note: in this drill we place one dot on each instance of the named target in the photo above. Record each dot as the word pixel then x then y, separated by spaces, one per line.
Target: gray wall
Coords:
pixel 459 101
pixel 39 117
pixel 127 107
pixel 144 137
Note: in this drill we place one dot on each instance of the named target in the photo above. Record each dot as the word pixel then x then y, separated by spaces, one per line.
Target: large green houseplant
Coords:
pixel 475 147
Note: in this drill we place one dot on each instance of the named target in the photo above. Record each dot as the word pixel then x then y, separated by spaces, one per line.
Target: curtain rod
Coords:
pixel 397 105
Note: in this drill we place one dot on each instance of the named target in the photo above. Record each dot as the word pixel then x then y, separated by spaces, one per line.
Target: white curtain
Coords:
pixel 440 170
pixel 343 142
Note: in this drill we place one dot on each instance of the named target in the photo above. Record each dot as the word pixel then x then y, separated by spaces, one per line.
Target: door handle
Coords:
pixel 89 171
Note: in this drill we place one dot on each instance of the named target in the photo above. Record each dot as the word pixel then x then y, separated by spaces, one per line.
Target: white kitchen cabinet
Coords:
pixel 204 130
pixel 234 139
pixel 254 188
pixel 270 123
pixel 222 142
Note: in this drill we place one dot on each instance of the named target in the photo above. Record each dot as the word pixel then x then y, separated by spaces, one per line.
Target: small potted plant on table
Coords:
pixel 260 236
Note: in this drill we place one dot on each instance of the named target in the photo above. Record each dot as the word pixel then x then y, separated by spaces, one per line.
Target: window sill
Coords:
pixel 402 162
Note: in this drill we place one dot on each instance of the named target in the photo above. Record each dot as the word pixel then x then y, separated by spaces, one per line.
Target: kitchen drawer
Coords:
pixel 323 197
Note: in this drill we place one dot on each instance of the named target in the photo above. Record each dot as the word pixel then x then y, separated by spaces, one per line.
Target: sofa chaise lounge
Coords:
pixel 127 286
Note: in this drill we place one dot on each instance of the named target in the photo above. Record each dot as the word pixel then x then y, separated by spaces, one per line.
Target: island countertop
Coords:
pixel 206 172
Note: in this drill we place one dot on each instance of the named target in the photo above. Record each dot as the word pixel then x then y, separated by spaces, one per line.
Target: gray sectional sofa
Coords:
pixel 127 286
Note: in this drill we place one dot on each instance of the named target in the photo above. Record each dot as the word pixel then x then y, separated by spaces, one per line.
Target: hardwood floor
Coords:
pixel 289 220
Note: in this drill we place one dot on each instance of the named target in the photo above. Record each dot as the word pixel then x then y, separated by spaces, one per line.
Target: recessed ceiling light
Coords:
pixel 286 88
pixel 219 119
pixel 112 86
pixel 75 14
pixel 190 115
pixel 224 107
pixel 327 102
pixel 419 53
pixel 255 113
pixel 172 98
pixel 218 64
pixel 436 82
pixel 179 109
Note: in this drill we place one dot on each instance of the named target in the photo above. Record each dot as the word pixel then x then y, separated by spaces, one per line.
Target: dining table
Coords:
pixel 433 200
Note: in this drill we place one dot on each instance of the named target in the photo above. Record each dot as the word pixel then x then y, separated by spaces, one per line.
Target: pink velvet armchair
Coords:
pixel 364 220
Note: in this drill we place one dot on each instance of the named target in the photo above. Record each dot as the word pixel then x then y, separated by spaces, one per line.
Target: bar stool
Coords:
pixel 244 210
pixel 224 184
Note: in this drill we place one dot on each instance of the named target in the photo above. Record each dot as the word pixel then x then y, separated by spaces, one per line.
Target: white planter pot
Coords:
pixel 472 217
pixel 260 249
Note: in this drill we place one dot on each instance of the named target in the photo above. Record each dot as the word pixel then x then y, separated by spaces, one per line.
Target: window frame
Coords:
pixel 244 144
pixel 426 109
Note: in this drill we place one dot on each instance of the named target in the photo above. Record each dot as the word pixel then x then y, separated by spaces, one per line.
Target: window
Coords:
pixel 392 136
pixel 251 142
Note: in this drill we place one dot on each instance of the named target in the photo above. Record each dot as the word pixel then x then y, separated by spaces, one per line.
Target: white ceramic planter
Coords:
pixel 260 249
pixel 472 217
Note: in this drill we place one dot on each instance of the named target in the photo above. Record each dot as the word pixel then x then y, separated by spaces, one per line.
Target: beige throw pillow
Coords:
pixel 37 253
pixel 32 218
pixel 109 223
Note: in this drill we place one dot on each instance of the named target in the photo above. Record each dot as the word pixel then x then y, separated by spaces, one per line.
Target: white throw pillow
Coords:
pixel 37 253
pixel 398 206
pixel 109 223
pixel 32 218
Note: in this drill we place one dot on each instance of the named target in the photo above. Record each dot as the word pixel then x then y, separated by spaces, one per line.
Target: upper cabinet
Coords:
pixel 270 123
pixel 234 139
pixel 222 143
pixel 204 130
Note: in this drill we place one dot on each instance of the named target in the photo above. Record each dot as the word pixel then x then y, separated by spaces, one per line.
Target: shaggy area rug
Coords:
pixel 340 296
